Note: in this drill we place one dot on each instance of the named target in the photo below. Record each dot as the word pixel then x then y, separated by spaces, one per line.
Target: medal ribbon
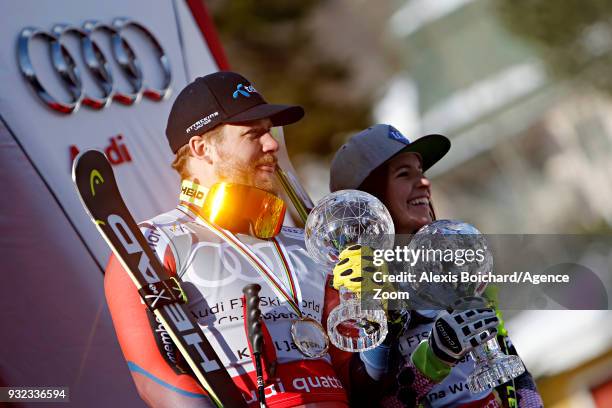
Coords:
pixel 292 294
pixel 284 258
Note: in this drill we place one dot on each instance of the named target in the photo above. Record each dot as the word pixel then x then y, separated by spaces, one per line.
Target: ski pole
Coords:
pixel 255 336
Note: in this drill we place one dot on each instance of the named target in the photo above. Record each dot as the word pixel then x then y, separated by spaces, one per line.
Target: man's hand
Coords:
pixel 347 271
pixel 353 262
pixel 454 334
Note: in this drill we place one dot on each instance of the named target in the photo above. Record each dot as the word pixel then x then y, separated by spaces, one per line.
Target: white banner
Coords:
pixel 55 328
pixel 131 135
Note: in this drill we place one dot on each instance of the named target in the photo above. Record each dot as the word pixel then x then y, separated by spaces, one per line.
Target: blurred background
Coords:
pixel 521 87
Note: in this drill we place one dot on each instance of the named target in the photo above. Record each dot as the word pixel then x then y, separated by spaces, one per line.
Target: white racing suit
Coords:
pixel 213 275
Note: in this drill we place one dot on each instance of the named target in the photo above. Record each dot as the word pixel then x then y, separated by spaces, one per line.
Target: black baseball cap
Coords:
pixel 221 97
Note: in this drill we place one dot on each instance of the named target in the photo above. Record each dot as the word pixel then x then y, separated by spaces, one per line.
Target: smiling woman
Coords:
pixel 383 162
pixel 405 190
pixel 402 371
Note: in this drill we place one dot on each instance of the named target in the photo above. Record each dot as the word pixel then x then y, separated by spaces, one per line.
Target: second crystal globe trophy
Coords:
pixel 492 366
pixel 340 220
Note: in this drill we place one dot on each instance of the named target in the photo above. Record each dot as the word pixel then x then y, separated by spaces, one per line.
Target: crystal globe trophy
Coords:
pixel 492 366
pixel 340 220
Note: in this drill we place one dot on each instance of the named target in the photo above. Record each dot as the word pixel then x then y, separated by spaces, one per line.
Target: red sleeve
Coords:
pixel 340 359
pixel 144 342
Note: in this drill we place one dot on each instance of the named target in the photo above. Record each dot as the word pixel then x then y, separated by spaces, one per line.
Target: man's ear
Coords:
pixel 201 148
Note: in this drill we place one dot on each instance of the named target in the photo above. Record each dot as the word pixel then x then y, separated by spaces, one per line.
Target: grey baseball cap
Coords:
pixel 370 148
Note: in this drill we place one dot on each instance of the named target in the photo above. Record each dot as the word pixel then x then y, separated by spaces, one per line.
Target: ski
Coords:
pixel 99 193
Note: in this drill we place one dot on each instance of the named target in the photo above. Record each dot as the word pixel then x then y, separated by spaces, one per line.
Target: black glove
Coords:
pixel 454 334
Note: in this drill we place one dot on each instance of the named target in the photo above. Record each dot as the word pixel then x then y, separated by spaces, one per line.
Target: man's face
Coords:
pixel 246 154
pixel 407 193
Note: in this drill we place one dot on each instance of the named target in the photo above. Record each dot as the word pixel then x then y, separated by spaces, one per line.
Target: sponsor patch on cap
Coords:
pixel 245 91
pixel 396 135
pixel 202 122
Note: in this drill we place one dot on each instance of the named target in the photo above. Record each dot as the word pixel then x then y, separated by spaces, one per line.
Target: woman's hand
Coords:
pixel 454 334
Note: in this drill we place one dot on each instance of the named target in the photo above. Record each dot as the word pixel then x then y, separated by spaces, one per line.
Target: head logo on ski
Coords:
pixel 95 178
pixel 92 173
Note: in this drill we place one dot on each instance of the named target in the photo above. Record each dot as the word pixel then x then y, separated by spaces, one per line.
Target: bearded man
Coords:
pixel 225 233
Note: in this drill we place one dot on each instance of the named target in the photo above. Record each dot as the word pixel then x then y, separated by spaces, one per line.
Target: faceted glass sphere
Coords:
pixel 440 239
pixel 344 218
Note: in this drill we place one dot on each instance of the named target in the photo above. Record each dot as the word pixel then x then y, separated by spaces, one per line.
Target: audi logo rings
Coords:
pixel 97 64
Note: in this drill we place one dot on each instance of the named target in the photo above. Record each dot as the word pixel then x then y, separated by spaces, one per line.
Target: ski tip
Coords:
pixel 90 170
pixel 83 157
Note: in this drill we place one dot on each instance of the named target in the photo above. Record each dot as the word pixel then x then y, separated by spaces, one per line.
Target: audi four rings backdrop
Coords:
pixel 78 75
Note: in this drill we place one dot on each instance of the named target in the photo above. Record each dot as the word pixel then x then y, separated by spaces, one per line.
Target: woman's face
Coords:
pixel 407 193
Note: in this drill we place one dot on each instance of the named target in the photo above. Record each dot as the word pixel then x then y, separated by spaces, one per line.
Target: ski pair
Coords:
pixel 99 193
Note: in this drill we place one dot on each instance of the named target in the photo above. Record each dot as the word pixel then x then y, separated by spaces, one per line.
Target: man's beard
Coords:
pixel 231 170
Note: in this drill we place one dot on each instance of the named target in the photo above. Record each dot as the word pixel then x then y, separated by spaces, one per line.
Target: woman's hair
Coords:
pixel 179 163
pixel 376 184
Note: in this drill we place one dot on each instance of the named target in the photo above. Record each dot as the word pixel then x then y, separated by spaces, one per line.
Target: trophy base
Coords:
pixel 489 373
pixel 350 328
